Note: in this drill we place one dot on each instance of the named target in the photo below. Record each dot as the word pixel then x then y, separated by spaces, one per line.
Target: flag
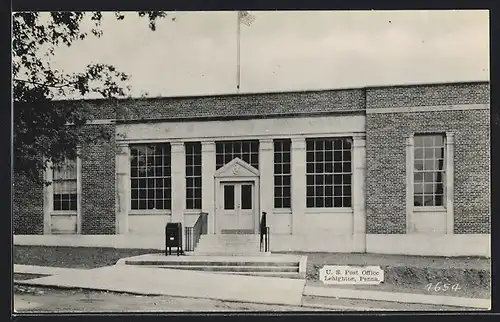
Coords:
pixel 246 18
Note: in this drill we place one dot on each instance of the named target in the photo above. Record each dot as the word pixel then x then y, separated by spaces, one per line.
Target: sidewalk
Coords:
pixel 397 297
pixel 159 281
pixel 44 270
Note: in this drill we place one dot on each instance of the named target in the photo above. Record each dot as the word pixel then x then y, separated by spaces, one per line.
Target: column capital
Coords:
pixel 266 144
pixel 359 136
pixel 299 143
pixel 410 141
pixel 122 148
pixel 358 140
pixel 176 147
pixel 207 146
pixel 450 138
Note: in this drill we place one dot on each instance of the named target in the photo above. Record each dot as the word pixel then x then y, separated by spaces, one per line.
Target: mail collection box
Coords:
pixel 173 237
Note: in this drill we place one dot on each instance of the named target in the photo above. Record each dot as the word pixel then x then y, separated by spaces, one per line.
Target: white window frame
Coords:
pixel 139 211
pixel 444 171
pixel 192 165
pixel 325 208
pixel 448 195
pixel 48 191
pixel 282 175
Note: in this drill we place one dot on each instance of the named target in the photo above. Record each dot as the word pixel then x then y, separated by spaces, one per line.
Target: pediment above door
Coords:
pixel 236 168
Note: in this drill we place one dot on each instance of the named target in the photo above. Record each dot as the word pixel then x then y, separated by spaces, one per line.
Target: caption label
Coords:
pixel 346 275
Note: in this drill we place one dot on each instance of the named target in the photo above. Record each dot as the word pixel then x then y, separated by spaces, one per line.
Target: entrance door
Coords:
pixel 238 210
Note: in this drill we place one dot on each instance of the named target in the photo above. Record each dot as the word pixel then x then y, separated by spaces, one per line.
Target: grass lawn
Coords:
pixel 412 274
pixel 73 257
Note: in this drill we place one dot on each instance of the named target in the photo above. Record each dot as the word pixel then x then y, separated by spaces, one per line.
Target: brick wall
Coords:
pixel 263 105
pixel 98 185
pixel 27 206
pixel 427 95
pixel 386 154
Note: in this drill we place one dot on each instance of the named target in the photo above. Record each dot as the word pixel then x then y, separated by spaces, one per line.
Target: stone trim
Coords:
pixel 409 183
pixel 178 181
pixel 208 182
pixel 48 198
pixel 298 181
pixel 358 192
pixel 415 109
pixel 122 187
pixel 450 183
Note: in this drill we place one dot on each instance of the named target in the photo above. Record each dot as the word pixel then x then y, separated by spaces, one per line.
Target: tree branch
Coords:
pixel 44 84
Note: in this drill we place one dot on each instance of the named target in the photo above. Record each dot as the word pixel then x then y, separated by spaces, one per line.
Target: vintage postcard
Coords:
pixel 251 161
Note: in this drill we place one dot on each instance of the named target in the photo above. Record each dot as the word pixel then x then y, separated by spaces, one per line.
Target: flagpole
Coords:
pixel 238 43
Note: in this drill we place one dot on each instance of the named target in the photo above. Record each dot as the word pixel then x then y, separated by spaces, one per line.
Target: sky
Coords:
pixel 194 53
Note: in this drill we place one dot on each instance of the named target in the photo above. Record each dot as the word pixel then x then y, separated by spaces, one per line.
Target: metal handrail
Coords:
pixel 265 239
pixel 194 233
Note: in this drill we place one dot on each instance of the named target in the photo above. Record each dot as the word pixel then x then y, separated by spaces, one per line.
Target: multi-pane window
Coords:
pixel 247 150
pixel 328 172
pixel 150 176
pixel 193 175
pixel 64 185
pixel 429 171
pixel 282 173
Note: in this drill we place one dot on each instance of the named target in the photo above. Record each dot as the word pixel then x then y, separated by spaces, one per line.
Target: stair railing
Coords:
pixel 265 239
pixel 194 233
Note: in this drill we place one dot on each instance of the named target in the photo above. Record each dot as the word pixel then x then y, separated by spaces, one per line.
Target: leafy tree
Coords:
pixel 41 130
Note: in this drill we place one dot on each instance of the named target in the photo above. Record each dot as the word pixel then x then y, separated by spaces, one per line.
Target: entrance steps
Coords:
pixel 287 266
pixel 229 244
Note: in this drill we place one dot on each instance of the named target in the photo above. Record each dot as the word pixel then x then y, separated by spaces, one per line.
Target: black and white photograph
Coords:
pixel 251 161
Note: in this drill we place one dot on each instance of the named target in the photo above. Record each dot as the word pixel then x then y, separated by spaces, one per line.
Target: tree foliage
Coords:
pixel 41 130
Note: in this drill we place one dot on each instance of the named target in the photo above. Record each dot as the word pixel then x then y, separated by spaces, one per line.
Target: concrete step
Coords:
pixel 219 248
pixel 228 244
pixel 229 253
pixel 211 263
pixel 295 275
pixel 242 238
pixel 224 268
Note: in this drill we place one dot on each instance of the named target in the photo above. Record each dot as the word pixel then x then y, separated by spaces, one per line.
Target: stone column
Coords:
pixel 266 169
pixel 298 165
pixel 208 183
pixel 450 142
pixel 79 191
pixel 358 193
pixel 122 187
pixel 409 183
pixel 48 195
pixel 178 164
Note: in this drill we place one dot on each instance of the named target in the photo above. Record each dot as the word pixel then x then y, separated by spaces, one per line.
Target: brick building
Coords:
pixel 396 169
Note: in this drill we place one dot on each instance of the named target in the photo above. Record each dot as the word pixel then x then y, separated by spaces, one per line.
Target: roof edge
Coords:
pixel 277 92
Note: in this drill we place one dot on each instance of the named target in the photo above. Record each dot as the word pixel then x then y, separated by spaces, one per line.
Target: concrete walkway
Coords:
pixel 44 270
pixel 397 297
pixel 158 281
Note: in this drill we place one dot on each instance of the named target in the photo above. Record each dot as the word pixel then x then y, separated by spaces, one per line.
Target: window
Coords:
pixel 248 151
pixel 429 172
pixel 328 172
pixel 150 176
pixel 64 181
pixel 193 175
pixel 282 174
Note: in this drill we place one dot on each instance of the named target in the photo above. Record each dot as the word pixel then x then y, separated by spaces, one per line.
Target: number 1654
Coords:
pixel 442 287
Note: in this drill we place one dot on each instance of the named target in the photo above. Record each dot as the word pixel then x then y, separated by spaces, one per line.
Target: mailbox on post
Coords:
pixel 173 237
